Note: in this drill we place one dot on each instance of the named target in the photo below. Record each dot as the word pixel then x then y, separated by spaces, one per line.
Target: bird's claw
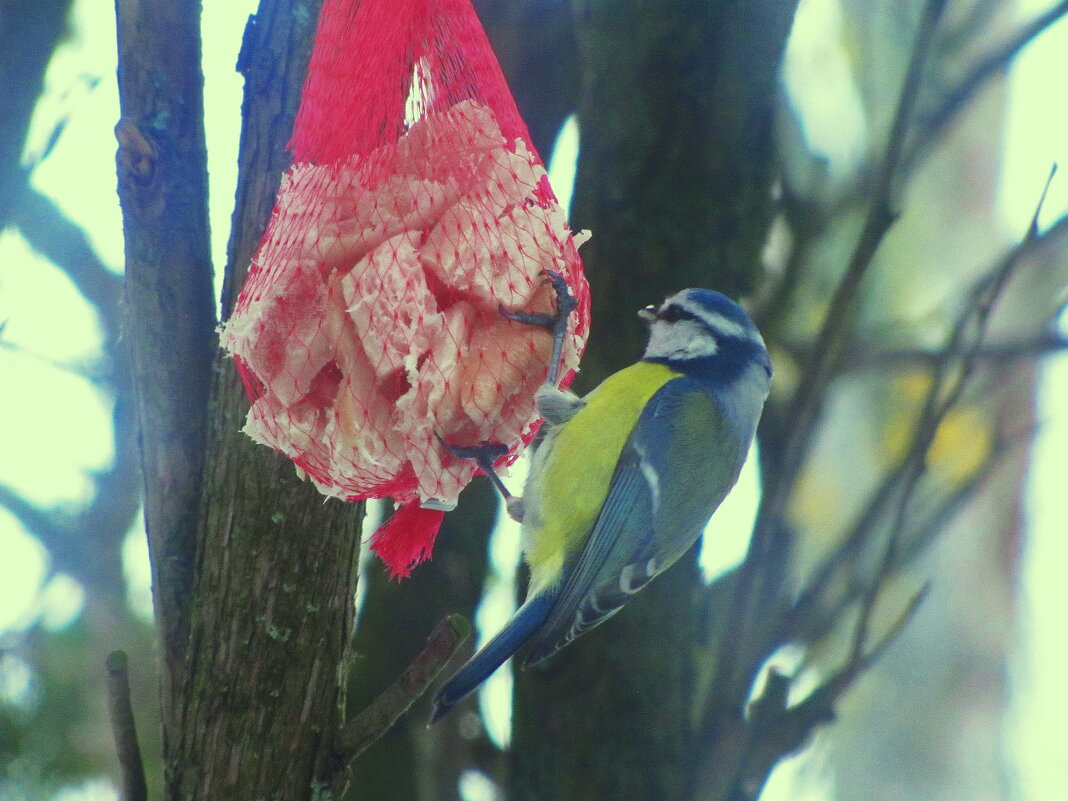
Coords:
pixel 488 452
pixel 484 454
pixel 565 301
pixel 565 304
pixel 555 323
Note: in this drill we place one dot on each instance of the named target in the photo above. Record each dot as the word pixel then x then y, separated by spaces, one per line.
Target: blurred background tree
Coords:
pixel 833 163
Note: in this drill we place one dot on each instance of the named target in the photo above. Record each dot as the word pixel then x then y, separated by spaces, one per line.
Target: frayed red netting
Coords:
pixel 415 209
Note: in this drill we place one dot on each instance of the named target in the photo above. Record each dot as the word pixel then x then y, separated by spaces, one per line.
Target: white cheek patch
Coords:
pixel 685 339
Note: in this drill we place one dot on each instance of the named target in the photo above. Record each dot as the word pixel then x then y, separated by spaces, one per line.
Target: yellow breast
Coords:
pixel 573 468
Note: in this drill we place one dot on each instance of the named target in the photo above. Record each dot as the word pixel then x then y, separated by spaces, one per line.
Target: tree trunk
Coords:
pixel 255 574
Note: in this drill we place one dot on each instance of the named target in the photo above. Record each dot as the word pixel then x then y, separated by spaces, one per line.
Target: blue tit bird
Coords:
pixel 627 477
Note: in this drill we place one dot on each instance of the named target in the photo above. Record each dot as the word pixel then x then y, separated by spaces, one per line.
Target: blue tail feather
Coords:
pixel 493 654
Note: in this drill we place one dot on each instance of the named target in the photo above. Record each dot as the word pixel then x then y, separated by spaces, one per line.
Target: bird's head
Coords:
pixel 699 326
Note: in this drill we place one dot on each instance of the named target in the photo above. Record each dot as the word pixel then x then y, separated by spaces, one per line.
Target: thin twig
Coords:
pixel 1055 236
pixel 813 615
pixel 826 696
pixel 973 323
pixel 386 709
pixel 803 412
pixel 807 221
pixel 888 564
pixel 773 731
pixel 931 125
pixel 805 407
pixel 995 353
pixel 860 660
pixel 942 396
pixel 120 710
pixel 952 371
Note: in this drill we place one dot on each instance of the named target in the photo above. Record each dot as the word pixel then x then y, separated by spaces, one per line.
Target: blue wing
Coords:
pixel 678 464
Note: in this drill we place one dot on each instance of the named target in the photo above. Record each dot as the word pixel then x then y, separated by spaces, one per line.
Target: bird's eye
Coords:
pixel 672 314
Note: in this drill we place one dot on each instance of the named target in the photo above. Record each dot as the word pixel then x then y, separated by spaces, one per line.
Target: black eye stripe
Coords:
pixel 673 314
pixel 676 314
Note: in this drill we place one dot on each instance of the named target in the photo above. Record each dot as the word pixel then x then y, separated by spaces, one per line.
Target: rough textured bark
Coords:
pixel 676 114
pixel 255 573
pixel 162 168
pixel 676 109
pixel 674 180
pixel 272 606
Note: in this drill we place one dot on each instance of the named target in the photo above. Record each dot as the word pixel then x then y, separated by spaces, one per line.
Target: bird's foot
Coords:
pixel 555 323
pixel 484 454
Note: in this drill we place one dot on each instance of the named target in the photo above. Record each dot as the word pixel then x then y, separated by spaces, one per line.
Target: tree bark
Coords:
pixel 272 605
pixel 255 574
pixel 162 170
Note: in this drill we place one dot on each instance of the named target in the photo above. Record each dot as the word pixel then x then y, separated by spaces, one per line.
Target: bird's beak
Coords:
pixel 648 314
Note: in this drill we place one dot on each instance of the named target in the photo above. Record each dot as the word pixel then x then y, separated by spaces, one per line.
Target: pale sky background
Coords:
pixel 54 428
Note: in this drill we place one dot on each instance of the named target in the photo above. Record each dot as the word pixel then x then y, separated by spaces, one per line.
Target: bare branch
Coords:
pixel 933 124
pixel 93 559
pixel 31 33
pixel 805 407
pixel 966 340
pixel 821 702
pixel 120 710
pixel 803 413
pixel 162 166
pixel 52 234
pixel 385 710
pixel 887 568
pixel 995 354
pixel 813 614
pixel 951 373
pixel 773 730
pixel 827 695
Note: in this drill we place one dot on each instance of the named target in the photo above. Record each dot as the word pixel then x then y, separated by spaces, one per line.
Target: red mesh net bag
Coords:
pixel 415 209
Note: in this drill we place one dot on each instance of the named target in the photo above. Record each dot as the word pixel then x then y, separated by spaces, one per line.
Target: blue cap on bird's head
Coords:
pixel 700 323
